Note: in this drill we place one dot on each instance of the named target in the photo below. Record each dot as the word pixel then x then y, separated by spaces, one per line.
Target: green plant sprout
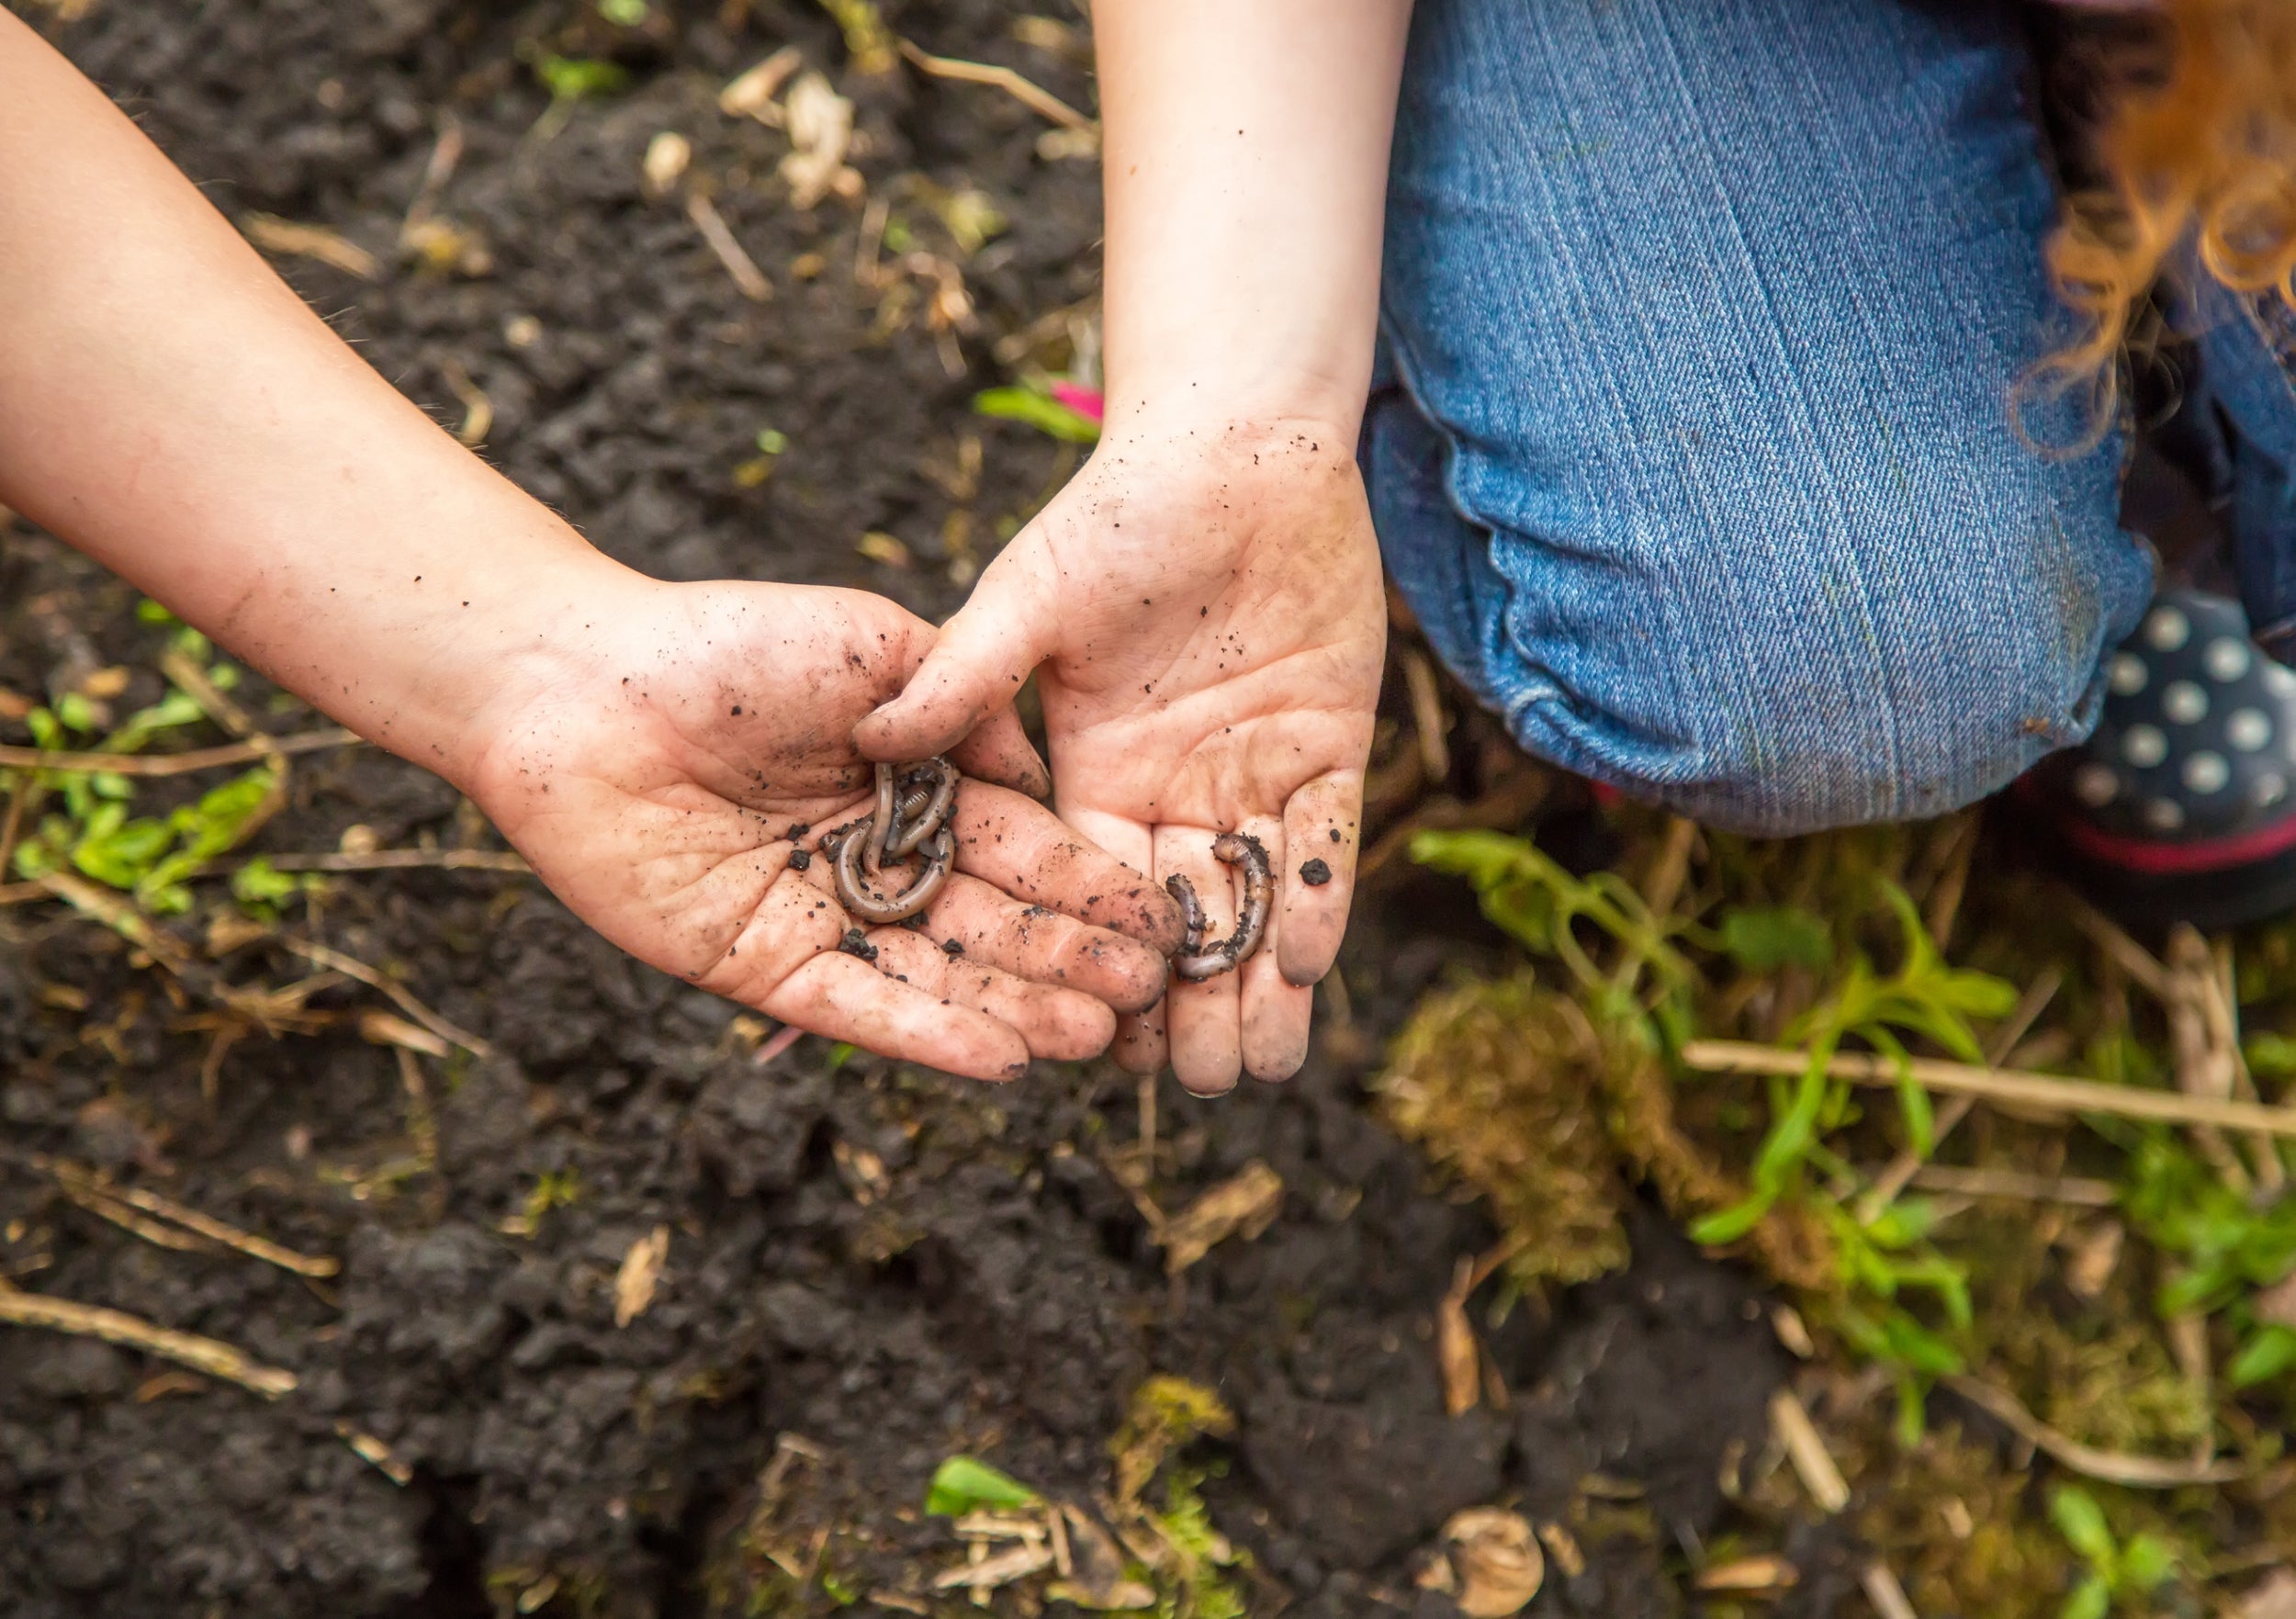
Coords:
pixel 2230 1248
pixel 1524 891
pixel 1924 997
pixel 152 858
pixel 2117 1576
pixel 1039 410
pixel 964 1484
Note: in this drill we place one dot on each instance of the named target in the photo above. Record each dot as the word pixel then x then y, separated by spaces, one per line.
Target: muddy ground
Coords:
pixel 892 1265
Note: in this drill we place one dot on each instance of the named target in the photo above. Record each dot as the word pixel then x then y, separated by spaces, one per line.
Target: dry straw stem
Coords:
pixel 405 860
pixel 1805 1448
pixel 2107 1467
pixel 352 967
pixel 747 278
pixel 113 1326
pixel 1035 98
pixel 2046 1091
pixel 80 1182
pixel 174 764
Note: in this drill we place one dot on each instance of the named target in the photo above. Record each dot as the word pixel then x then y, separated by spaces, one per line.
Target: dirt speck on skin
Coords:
pixel 891 1264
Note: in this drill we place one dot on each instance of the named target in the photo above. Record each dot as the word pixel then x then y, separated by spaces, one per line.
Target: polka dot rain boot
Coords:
pixel 2179 808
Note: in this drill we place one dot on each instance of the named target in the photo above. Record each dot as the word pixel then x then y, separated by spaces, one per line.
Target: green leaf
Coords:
pixel 576 78
pixel 1913 1413
pixel 771 442
pixel 2263 1358
pixel 2147 1563
pixel 1728 1225
pixel 259 882
pixel 1761 939
pixel 77 712
pixel 2081 1521
pixel 962 1485
pixel 2092 1599
pixel 1042 411
pixel 151 612
pixel 627 14
pixel 2270 1056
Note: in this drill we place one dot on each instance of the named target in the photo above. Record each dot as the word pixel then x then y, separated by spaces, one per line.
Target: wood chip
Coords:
pixel 1805 1448
pixel 1457 1350
pixel 641 1269
pixel 751 93
pixel 667 155
pixel 990 1573
pixel 820 134
pixel 1887 1596
pixel 1243 1204
pixel 1763 1572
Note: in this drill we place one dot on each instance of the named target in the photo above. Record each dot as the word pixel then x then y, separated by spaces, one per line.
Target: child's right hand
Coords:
pixel 694 739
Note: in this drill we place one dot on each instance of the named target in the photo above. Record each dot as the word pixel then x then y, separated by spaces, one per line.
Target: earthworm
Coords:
pixel 906 817
pixel 866 903
pixel 1198 960
pixel 917 824
pixel 880 820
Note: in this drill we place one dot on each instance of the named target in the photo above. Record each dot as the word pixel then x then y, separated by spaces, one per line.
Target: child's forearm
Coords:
pixel 1246 150
pixel 170 406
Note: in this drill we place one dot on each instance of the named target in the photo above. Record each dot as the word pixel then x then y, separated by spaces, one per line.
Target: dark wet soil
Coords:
pixel 890 1265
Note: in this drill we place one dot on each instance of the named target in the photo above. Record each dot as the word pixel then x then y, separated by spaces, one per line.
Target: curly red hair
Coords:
pixel 2196 151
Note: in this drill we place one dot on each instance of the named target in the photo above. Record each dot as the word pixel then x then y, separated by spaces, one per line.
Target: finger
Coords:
pixel 1056 1023
pixel 999 751
pixel 1275 1013
pixel 977 666
pixel 1202 1021
pixel 1316 878
pixel 1141 1046
pixel 843 997
pixel 987 925
pixel 1022 848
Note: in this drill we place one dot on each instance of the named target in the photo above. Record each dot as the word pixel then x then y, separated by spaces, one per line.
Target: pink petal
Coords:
pixel 1087 402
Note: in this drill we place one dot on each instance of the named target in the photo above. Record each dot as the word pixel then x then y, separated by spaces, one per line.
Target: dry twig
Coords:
pixel 406 860
pixel 79 1182
pixel 173 764
pixel 1805 1448
pixel 2048 1092
pixel 352 967
pixel 114 1326
pixel 2136 1472
pixel 1035 98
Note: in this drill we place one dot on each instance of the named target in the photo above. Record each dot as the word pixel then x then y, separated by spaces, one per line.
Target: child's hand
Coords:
pixel 1207 609
pixel 671 787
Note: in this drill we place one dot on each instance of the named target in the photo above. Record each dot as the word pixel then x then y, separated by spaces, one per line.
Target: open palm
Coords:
pixel 1204 614
pixel 674 789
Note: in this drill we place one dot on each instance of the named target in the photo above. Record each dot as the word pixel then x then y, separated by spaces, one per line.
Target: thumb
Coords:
pixel 975 668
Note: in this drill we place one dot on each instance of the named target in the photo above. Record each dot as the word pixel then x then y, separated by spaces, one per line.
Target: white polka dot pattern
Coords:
pixel 2197 738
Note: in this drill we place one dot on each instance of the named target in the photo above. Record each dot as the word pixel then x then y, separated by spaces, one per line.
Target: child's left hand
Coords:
pixel 665 784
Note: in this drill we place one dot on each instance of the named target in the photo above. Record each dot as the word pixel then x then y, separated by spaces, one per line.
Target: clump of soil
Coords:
pixel 866 1269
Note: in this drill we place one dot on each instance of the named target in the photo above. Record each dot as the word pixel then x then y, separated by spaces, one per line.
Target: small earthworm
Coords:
pixel 906 817
pixel 862 900
pixel 917 824
pixel 1198 960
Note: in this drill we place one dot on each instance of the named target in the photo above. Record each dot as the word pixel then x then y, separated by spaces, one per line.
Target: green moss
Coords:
pixel 1497 1081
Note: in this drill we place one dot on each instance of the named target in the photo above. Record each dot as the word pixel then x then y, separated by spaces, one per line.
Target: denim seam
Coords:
pixel 1407 372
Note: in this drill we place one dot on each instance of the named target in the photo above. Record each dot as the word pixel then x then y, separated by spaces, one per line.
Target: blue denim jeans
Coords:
pixel 1693 444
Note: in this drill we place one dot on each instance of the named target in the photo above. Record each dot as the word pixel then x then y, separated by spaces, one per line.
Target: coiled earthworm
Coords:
pixel 907 817
pixel 1198 960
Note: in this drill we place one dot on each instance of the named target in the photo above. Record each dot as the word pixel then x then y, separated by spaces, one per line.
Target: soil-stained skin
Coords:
pixel 888 1264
